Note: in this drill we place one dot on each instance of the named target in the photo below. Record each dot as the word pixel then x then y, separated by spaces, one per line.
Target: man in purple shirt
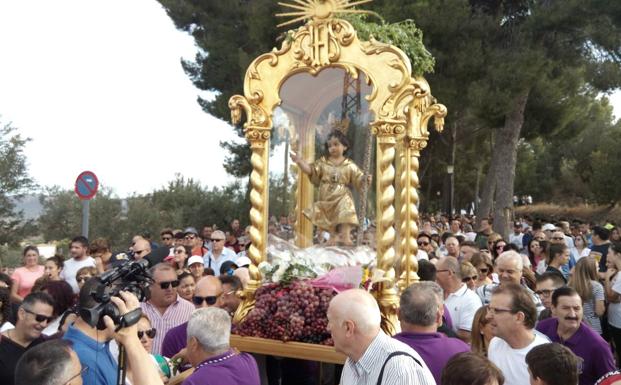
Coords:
pixel 210 353
pixel 207 293
pixel 566 328
pixel 420 313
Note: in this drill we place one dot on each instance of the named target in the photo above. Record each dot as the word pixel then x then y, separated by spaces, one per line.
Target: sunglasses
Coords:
pixel 190 237
pixel 209 299
pixel 167 284
pixel 83 278
pixel 39 317
pixel 558 238
pixel 423 243
pixel 150 333
pixel 468 279
pixel 217 240
pixel 484 271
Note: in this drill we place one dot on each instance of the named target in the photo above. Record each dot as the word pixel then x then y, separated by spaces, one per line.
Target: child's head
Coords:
pixel 338 135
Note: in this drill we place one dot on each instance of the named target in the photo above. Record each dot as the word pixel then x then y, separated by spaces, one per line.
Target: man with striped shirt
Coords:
pixel 372 356
pixel 165 308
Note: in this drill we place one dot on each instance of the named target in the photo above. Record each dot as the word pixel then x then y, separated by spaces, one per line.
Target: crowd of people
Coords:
pixel 541 307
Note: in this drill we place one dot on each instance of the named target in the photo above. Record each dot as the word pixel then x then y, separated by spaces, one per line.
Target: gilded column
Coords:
pixel 409 211
pixel 387 295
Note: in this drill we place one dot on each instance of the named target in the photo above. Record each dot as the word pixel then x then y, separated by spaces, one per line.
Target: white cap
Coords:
pixel 548 227
pixel 196 259
pixel 243 261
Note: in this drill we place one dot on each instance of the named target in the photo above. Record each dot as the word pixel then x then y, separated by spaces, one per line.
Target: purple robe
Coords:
pixel 240 369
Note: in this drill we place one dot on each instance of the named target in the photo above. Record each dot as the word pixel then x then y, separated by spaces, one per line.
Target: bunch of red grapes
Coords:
pixel 296 312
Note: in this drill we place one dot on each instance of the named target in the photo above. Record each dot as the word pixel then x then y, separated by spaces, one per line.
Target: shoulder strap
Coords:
pixel 391 355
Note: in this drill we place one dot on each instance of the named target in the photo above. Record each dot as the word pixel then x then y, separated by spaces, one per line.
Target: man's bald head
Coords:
pixel 141 248
pixel 358 306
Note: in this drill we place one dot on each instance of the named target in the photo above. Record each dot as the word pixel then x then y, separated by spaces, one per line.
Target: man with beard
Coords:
pixel 566 328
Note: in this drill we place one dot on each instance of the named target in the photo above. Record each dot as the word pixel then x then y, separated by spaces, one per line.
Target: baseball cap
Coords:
pixel 548 227
pixel 227 266
pixel 196 259
pixel 190 230
pixel 243 261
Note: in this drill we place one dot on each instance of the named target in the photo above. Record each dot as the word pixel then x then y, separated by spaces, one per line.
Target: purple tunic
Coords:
pixel 226 369
pixel 175 340
pixel 434 348
pixel 586 344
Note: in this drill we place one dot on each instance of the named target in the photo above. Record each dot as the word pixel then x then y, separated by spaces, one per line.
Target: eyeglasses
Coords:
pixel 39 317
pixel 423 243
pixel 212 299
pixel 441 270
pixel 545 293
pixel 500 247
pixel 495 310
pixel 217 240
pixel 83 278
pixel 149 333
pixel 468 279
pixel 167 284
pixel 82 372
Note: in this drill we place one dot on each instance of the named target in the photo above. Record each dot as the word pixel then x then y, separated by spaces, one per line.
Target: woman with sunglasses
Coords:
pixel 84 274
pixel 24 277
pixel 180 261
pixel 485 268
pixel 498 247
pixel 146 334
pixel 580 248
pixel 469 274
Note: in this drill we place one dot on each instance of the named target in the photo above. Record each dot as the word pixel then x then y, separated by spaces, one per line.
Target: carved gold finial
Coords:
pixel 319 9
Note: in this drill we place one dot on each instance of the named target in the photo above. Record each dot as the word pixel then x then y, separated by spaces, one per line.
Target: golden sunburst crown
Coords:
pixel 319 9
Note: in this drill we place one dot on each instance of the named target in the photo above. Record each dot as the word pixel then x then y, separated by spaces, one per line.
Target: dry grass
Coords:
pixel 589 213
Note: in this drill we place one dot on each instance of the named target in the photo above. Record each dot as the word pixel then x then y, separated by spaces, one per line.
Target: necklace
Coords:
pixel 224 358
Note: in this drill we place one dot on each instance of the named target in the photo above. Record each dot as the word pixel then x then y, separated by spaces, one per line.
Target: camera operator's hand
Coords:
pixel 145 373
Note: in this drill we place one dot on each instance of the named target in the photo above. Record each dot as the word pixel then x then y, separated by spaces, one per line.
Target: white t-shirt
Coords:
pixel 614 309
pixel 71 268
pixel 462 305
pixel 512 362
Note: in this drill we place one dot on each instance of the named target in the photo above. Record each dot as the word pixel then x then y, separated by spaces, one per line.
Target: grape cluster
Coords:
pixel 296 312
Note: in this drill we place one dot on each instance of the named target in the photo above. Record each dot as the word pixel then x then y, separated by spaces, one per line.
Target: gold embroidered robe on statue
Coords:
pixel 335 205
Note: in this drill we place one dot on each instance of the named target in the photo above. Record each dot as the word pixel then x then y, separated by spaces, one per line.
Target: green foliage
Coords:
pixel 14 183
pixel 403 34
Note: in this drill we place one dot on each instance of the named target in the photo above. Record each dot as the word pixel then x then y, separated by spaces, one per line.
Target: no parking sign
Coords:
pixel 86 185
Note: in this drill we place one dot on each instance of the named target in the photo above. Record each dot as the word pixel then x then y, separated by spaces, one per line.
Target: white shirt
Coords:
pixel 226 255
pixel 399 370
pixel 422 254
pixel 517 240
pixel 614 309
pixel 70 269
pixel 512 362
pixel 485 294
pixel 462 305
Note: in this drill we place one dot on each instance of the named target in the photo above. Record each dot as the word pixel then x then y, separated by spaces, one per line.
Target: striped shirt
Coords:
pixel 176 314
pixel 485 293
pixel 399 370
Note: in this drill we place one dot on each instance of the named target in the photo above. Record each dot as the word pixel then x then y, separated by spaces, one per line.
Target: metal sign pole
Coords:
pixel 85 217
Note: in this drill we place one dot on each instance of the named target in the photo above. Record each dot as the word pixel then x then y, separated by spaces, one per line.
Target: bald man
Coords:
pixel 372 356
pixel 207 293
pixel 141 248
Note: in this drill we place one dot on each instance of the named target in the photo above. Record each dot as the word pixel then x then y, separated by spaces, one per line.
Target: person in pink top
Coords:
pixel 24 277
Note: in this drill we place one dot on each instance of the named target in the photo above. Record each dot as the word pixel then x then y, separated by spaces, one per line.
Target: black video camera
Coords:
pixel 128 275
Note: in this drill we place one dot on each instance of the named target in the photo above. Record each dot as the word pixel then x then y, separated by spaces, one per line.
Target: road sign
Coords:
pixel 86 185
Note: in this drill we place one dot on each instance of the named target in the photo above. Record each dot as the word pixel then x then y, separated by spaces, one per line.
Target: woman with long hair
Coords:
pixel 498 247
pixel 585 281
pixel 558 255
pixel 580 249
pixel 64 299
pixel 180 261
pixel 53 266
pixel 24 277
pixel 481 333
pixel 535 252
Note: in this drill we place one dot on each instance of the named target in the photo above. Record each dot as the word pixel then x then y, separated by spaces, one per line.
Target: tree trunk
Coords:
pixel 497 196
pixel 505 146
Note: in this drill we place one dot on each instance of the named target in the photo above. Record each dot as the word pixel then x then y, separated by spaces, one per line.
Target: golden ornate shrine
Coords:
pixel 401 107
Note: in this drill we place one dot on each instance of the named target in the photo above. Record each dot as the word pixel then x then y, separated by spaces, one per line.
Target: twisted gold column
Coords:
pixel 409 212
pixel 259 143
pixel 387 293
